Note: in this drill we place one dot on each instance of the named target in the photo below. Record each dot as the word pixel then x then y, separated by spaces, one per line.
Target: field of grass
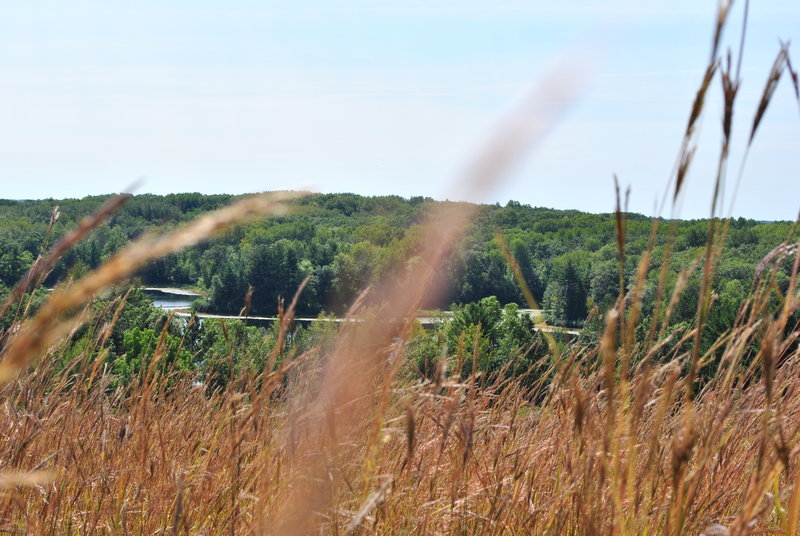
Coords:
pixel 629 434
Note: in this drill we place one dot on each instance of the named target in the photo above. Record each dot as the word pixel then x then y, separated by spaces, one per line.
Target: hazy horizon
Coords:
pixel 435 199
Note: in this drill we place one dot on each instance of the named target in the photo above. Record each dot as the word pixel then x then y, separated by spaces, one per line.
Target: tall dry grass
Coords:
pixel 619 437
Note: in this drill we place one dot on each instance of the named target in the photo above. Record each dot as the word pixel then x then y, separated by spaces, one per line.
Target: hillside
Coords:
pixel 345 242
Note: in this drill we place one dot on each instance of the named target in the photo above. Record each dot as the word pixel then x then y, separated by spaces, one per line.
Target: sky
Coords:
pixel 378 97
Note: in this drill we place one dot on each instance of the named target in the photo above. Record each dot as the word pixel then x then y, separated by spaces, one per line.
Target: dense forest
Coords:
pixel 344 242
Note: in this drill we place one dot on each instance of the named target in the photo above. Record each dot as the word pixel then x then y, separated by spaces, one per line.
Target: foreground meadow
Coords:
pixel 616 438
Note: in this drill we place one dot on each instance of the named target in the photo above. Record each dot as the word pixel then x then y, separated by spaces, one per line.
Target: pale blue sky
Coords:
pixel 377 98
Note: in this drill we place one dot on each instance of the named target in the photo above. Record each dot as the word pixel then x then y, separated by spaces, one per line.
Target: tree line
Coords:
pixel 344 242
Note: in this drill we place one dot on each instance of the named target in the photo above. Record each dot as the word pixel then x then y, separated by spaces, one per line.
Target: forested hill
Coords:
pixel 346 241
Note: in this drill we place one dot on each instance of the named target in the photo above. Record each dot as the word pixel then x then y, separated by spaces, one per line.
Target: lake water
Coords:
pixel 169 300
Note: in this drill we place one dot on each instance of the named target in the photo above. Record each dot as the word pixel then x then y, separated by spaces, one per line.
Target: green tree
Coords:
pixel 141 346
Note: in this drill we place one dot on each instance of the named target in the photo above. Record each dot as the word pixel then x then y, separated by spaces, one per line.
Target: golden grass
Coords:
pixel 599 453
